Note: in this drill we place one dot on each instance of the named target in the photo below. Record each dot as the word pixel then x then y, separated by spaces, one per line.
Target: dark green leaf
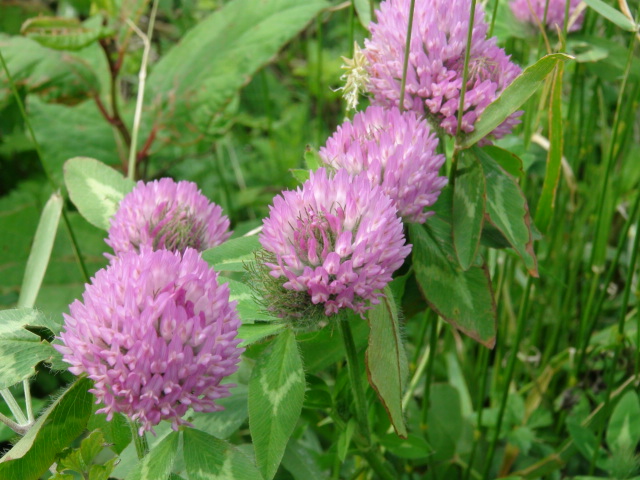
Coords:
pixel 468 208
pixel 463 298
pixel 117 431
pixel 412 447
pixel 157 464
pixel 386 359
pixel 510 162
pixel 301 463
pixel 58 426
pixel 508 210
pixel 513 97
pixel 276 394
pixel 209 458
pixel 63 33
pixel 445 421
pixel 95 189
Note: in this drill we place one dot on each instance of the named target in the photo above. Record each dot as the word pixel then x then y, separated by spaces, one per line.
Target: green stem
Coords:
pixel 433 341
pixel 407 50
pixel 353 366
pixel 140 441
pixel 484 362
pixel 465 70
pixel 524 307
pixel 16 411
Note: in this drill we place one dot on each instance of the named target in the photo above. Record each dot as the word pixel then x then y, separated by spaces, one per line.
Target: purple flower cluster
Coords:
pixel 532 11
pixel 157 334
pixel 337 238
pixel 396 151
pixel 167 215
pixel 155 331
pixel 436 61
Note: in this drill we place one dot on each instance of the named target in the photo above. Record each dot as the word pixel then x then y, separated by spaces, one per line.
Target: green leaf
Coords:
pixel 41 251
pixel 253 333
pixel 312 158
pixel 20 349
pixel 445 421
pixel 468 208
pixel 276 394
pixel 510 162
pixel 462 298
pixel 344 440
pixel 209 458
pixel 364 11
pixel 300 462
pixel 117 431
pixel 63 33
pixel 386 359
pixel 613 15
pixel 226 422
pixel 232 254
pixel 245 35
pixel 412 447
pixel 95 189
pixel 323 348
pixel 157 464
pixel 55 76
pixel 79 460
pixel 300 174
pixel 247 307
pixel 586 442
pixel 513 97
pixel 547 200
pixel 58 426
pixel 623 431
pixel 52 124
pixel 508 210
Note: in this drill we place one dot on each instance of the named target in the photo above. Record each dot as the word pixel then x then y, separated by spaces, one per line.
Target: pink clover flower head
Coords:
pixel 436 63
pixel 532 11
pixel 157 334
pixel 397 152
pixel 337 239
pixel 163 214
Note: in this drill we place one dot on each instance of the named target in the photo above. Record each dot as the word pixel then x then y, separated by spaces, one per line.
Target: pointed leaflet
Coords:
pixel 513 97
pixel 276 394
pixel 20 349
pixel 208 458
pixel 462 298
pixel 95 189
pixel 468 208
pixel 623 432
pixel 508 210
pixel 386 359
pixel 58 426
pixel 157 464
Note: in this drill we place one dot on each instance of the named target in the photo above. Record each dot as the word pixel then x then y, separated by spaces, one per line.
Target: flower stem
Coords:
pixel 407 51
pixel 354 375
pixel 368 449
pixel 13 406
pixel 140 441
